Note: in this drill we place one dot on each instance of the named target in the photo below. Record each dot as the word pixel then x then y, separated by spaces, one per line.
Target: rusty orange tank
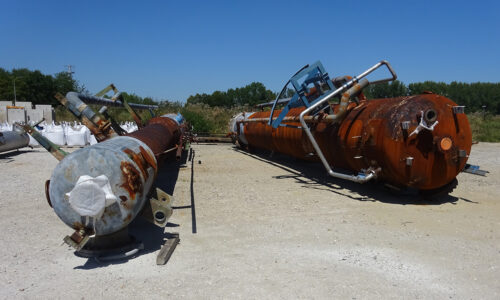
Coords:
pixel 385 135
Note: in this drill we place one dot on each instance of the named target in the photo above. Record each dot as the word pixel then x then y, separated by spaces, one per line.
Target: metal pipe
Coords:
pixel 101 128
pixel 15 139
pixel 348 84
pixel 360 178
pixel 334 118
pixel 108 102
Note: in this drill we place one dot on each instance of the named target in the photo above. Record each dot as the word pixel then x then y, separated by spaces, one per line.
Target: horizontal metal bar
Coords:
pixel 280 101
pixel 100 100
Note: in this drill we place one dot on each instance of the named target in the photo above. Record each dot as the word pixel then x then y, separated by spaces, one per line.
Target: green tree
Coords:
pixel 251 94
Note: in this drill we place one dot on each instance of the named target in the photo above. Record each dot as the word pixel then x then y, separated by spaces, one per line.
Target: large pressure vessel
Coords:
pixel 103 187
pixel 419 141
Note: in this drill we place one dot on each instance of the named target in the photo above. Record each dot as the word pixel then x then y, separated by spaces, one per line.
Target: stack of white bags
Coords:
pixel 5 127
pixel 67 133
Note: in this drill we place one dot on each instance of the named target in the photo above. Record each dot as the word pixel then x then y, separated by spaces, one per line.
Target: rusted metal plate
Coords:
pixel 167 249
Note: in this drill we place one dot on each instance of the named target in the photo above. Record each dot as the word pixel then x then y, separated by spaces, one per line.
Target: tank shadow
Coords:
pixel 312 175
pixel 13 153
pixel 152 236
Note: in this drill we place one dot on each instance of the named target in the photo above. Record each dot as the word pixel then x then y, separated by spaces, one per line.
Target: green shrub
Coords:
pixel 485 128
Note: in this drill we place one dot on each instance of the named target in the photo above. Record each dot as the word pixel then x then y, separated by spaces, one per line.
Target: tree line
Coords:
pixel 34 86
pixel 473 95
pixel 251 94
pixel 40 89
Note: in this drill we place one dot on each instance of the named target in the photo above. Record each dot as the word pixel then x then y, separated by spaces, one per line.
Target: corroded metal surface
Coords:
pixel 130 176
pixel 100 128
pixel 161 134
pixel 372 135
pixel 117 173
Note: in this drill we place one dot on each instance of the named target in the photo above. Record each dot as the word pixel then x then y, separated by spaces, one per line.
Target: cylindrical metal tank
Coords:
pixel 419 141
pixel 104 186
pixel 15 139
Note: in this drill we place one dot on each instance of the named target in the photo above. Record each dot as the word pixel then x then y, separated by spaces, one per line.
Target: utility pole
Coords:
pixel 15 96
pixel 70 70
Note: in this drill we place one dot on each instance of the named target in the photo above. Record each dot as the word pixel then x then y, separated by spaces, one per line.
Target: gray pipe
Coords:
pixel 11 140
pixel 99 100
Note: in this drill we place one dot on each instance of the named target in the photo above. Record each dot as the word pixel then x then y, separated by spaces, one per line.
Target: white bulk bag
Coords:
pixel 76 136
pixel 55 133
pixel 92 140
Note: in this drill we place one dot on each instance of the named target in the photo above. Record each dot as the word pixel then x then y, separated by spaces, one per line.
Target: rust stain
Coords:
pixel 139 161
pixel 128 218
pixel 149 159
pixel 132 179
pixel 124 202
pixel 159 135
pixel 78 225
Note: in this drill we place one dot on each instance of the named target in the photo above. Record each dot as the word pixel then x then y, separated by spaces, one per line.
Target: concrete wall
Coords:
pixel 27 114
pixel 24 104
pixel 16 115
pixel 48 112
pixel 3 113
pixel 34 115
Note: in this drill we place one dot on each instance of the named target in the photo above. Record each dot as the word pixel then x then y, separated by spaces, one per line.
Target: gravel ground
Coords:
pixel 266 228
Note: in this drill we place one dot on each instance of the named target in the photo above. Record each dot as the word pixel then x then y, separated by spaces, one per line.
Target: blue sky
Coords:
pixel 172 49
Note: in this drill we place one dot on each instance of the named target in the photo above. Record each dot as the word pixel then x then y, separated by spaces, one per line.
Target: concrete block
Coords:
pixel 48 112
pixel 34 115
pixel 3 113
pixel 24 104
pixel 49 115
pixel 16 115
pixel 43 106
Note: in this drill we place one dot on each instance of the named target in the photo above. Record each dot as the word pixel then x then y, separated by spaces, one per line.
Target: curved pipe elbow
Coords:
pixel 357 178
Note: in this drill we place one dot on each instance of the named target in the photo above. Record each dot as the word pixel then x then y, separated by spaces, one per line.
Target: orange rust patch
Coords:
pixel 78 225
pixel 128 218
pixel 139 161
pixel 149 159
pixel 132 183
